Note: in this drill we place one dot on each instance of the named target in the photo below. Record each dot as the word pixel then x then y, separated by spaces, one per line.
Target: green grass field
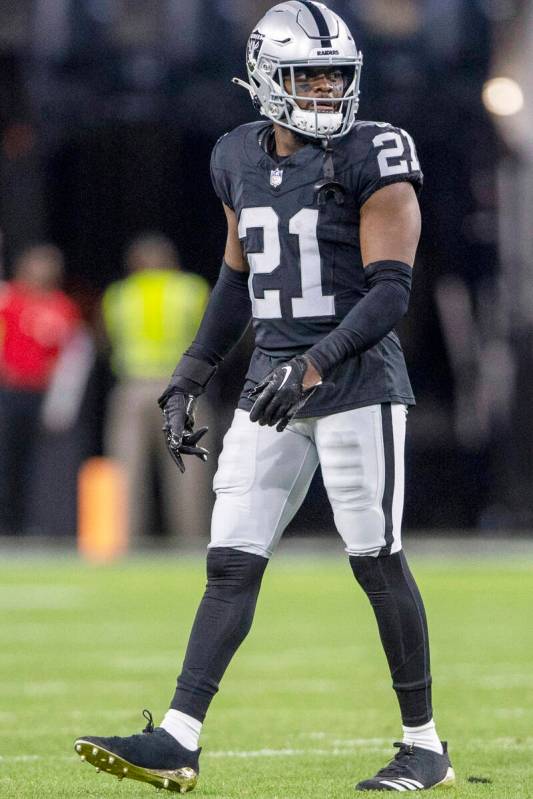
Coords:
pixel 305 709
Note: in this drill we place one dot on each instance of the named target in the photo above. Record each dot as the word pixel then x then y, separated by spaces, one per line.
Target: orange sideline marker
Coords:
pixel 102 523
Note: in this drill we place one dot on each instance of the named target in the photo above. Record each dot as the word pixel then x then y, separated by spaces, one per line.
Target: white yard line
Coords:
pixel 230 753
pixel 40 597
pixel 503 681
pixel 287 752
pixel 348 746
pixel 25 758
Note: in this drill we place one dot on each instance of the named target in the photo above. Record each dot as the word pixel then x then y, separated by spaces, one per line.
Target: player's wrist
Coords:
pixel 190 377
pixel 312 376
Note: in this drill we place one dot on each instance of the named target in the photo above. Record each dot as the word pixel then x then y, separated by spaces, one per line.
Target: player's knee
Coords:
pixel 361 530
pixel 376 574
pixel 233 569
pixel 367 571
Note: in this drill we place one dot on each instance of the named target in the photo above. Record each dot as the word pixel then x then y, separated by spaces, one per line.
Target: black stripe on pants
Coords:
pixel 388 489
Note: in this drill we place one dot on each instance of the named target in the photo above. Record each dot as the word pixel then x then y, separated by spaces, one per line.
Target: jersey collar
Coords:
pixel 254 146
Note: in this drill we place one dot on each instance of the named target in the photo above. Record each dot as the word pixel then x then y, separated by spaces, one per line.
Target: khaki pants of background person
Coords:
pixel 133 436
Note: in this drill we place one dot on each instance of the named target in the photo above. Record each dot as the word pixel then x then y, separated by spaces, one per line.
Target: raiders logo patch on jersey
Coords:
pixel 276 176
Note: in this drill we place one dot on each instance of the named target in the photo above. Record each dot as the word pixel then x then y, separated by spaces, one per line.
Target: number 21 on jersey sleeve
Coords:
pixel 393 147
pixel 304 225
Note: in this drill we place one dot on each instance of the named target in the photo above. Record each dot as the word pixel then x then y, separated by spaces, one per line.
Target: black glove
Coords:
pixel 178 409
pixel 281 394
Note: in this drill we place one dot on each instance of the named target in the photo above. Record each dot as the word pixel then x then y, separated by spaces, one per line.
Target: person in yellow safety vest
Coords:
pixel 149 319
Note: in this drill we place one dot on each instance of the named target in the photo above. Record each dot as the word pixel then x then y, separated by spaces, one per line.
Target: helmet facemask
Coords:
pixel 274 85
pixel 321 116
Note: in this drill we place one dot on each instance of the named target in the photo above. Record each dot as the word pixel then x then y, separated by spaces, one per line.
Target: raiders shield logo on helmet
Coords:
pixel 276 176
pixel 254 45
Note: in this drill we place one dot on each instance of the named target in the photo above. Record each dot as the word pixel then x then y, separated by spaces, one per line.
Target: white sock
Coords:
pixel 424 736
pixel 185 729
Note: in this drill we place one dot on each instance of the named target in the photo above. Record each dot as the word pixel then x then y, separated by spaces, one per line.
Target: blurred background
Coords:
pixel 108 113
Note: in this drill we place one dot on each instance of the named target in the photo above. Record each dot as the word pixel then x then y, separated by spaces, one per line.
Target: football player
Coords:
pixel 323 225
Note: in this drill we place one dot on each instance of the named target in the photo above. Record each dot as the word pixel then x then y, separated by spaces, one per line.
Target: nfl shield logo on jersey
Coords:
pixel 276 176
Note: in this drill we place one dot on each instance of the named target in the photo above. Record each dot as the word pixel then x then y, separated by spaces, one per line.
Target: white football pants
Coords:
pixel 263 477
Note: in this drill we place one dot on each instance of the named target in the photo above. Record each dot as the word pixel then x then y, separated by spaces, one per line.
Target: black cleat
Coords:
pixel 412 769
pixel 152 756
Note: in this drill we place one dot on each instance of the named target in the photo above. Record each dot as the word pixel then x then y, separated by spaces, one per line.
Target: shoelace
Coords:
pixel 149 718
pixel 396 767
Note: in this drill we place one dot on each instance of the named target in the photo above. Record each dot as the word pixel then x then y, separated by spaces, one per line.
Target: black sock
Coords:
pixel 222 622
pixel 401 619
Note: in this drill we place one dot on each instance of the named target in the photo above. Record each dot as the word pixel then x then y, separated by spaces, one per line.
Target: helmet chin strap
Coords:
pixel 329 186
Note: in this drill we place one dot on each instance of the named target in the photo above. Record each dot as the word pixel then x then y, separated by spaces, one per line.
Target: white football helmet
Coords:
pixel 300 33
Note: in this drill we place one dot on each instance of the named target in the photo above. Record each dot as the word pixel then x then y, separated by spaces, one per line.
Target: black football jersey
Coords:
pixel 306 270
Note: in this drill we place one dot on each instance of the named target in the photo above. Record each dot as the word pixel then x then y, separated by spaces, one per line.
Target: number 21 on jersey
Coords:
pixel 392 158
pixel 304 225
pixel 393 149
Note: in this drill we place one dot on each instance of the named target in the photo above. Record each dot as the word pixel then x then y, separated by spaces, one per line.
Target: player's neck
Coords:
pixel 286 141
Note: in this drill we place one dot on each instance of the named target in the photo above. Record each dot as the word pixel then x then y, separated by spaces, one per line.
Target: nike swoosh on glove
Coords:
pixel 281 394
pixel 182 439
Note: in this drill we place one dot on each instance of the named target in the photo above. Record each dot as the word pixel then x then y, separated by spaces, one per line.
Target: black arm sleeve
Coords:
pixel 226 317
pixel 375 315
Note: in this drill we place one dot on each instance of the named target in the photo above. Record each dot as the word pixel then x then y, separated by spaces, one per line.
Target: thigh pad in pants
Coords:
pixel 361 454
pixel 261 481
